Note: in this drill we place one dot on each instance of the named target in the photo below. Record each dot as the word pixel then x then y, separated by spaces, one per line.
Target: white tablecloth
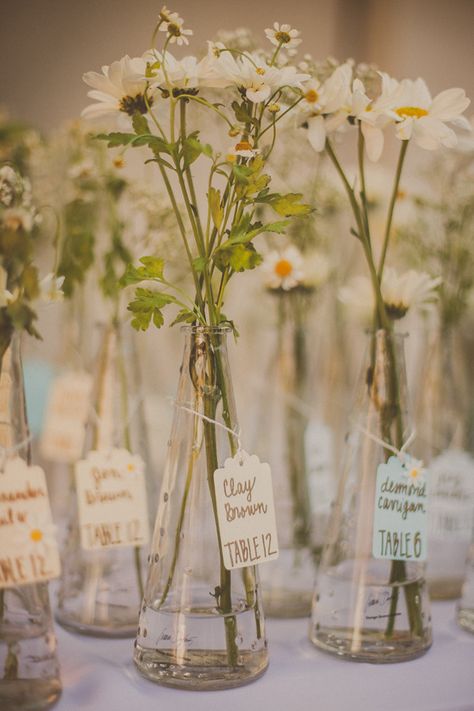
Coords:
pixel 98 675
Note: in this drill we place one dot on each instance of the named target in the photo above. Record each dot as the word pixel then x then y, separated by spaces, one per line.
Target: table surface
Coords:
pixel 98 675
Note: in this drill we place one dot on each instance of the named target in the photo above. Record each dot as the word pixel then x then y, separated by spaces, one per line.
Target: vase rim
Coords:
pixel 194 328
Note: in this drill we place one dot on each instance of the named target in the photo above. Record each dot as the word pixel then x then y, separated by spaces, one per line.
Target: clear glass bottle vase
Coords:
pixel 465 607
pixel 441 420
pixel 29 670
pixel 280 440
pixel 201 626
pixel 100 590
pixel 366 608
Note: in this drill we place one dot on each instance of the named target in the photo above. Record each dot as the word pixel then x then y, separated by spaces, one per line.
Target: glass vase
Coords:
pixel 29 670
pixel 367 608
pixel 442 416
pixel 280 439
pixel 465 608
pixel 100 590
pixel 201 626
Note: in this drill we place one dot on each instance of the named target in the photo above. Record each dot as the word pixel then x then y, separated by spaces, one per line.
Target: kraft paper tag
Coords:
pixel 246 511
pixel 66 414
pixel 28 547
pixel 400 511
pixel 112 500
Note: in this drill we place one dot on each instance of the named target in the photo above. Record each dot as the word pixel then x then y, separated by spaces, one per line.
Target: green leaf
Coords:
pixel 241 112
pixel 199 264
pixel 116 139
pixel 148 305
pixel 140 124
pixel 238 257
pixel 184 316
pixel 192 149
pixel 152 269
pixel 289 205
pixel 217 212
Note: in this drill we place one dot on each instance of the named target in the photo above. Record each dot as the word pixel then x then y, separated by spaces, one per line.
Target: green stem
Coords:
pixel 128 444
pixel 393 199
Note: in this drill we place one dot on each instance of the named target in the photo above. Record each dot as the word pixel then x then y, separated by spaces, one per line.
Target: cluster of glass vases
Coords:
pixel 29 670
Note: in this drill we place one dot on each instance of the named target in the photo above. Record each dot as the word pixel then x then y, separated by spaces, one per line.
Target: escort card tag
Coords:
pixel 66 414
pixel 28 547
pixel 451 509
pixel 400 511
pixel 245 511
pixel 112 501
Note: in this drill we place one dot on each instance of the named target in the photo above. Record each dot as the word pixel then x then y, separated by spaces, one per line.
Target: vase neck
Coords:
pixel 386 388
pixel 14 432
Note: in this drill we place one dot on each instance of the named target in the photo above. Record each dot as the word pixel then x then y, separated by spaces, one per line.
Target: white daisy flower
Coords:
pixel 51 288
pixel 251 75
pixel 11 185
pixel 242 149
pixel 283 270
pixel 120 90
pixel 186 74
pixel 19 218
pixel 39 534
pixel 327 105
pixel 409 290
pixel 175 30
pixel 420 117
pixel 168 16
pixel 401 292
pixel 283 35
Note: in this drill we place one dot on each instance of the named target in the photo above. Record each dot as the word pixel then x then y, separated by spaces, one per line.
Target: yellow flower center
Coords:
pixel 174 30
pixel 14 223
pixel 282 37
pixel 119 162
pixel 231 158
pixel 131 467
pixel 283 268
pixel 260 70
pixel 36 535
pixel 414 473
pixel 311 96
pixel 411 112
pixel 243 146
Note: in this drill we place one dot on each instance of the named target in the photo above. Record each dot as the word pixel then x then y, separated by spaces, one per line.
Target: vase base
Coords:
pixel 372 646
pixel 111 629
pixel 29 694
pixel 286 604
pixel 466 619
pixel 203 670
pixel 445 588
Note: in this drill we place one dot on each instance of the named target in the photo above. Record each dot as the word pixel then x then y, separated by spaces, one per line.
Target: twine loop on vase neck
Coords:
pixel 187 408
pixel 5 451
pixel 400 453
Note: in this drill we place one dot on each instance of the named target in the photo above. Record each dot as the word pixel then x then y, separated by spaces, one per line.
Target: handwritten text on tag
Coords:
pixel 28 548
pixel 400 511
pixel 112 500
pixel 66 414
pixel 246 511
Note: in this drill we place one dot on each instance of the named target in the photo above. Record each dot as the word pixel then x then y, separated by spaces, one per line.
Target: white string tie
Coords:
pixel 400 453
pixel 192 411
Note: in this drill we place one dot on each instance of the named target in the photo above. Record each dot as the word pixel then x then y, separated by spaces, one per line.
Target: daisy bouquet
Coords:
pixel 163 104
pixel 370 106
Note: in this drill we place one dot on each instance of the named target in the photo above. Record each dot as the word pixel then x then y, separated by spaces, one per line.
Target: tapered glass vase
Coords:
pixel 102 577
pixel 369 608
pixel 465 608
pixel 201 626
pixel 442 418
pixel 29 670
pixel 287 584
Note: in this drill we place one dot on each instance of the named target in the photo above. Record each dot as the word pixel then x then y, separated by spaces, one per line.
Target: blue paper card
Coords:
pixel 400 511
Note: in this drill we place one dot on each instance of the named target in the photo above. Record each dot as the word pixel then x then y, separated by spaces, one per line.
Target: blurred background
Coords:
pixel 46 45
